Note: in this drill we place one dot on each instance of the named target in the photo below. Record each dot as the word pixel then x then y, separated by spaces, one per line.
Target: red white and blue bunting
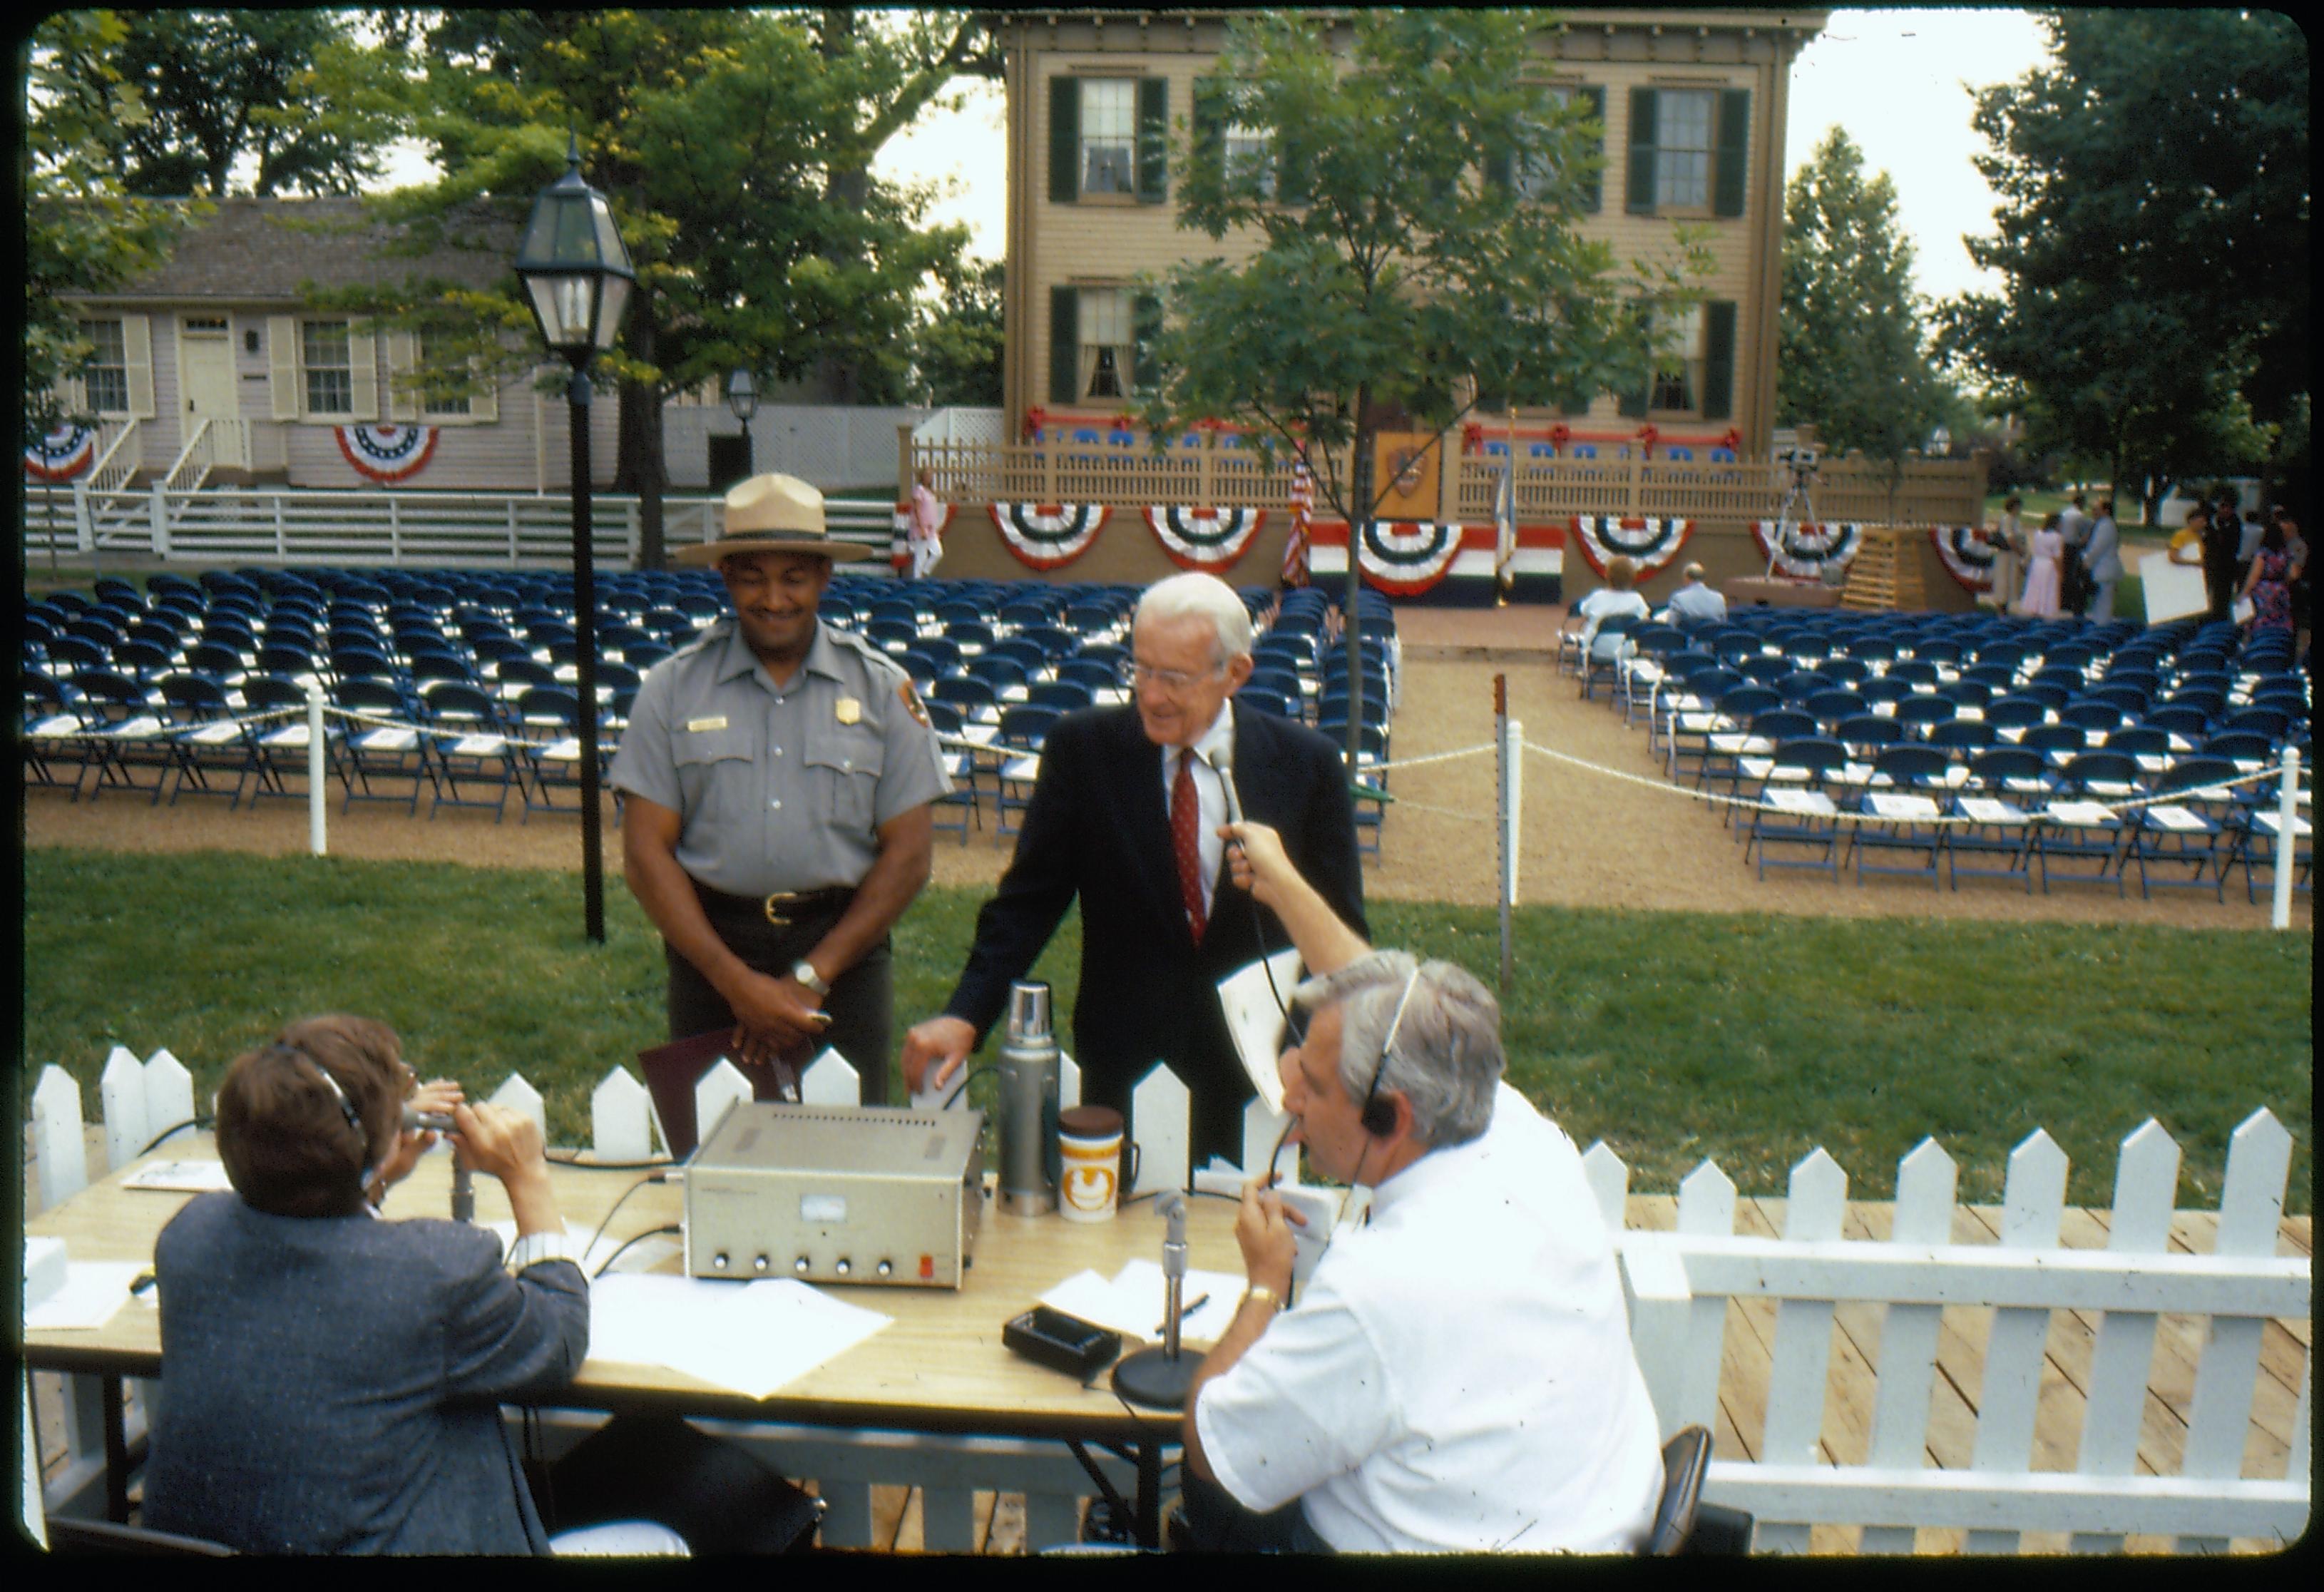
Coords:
pixel 1402 558
pixel 1804 552
pixel 387 453
pixel 1966 554
pixel 1049 536
pixel 1209 540
pixel 1651 543
pixel 1455 564
pixel 61 455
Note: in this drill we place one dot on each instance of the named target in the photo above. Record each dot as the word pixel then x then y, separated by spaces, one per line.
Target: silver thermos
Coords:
pixel 1030 1164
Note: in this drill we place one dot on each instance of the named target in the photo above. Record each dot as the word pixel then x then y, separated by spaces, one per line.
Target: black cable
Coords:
pixel 155 1143
pixel 633 1187
pixel 649 1233
pixel 962 1086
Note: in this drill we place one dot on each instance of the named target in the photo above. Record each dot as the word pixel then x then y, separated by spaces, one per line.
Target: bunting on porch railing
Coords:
pixel 1967 556
pixel 387 453
pixel 1401 558
pixel 1209 540
pixel 1049 536
pixel 1804 552
pixel 61 455
pixel 1652 543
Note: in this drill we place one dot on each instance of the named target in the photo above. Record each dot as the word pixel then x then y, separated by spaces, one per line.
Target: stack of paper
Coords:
pixel 1133 1301
pixel 748 1337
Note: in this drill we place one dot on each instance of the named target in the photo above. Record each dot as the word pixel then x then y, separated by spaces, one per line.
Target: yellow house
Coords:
pixel 1692 105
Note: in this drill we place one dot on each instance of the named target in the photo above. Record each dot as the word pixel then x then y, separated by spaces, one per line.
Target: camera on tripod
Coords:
pixel 1802 460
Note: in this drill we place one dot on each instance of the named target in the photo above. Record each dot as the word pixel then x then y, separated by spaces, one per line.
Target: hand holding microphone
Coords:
pixel 425 1115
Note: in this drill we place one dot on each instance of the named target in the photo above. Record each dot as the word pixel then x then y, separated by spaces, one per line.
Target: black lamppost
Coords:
pixel 742 398
pixel 576 273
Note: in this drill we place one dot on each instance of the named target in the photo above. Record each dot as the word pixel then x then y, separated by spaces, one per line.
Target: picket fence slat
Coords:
pixel 2145 1188
pixel 2033 1204
pixel 1799 1378
pixel 1926 1183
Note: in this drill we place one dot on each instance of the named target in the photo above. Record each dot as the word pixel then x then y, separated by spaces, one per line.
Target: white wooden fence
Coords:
pixel 1679 1284
pixel 220 526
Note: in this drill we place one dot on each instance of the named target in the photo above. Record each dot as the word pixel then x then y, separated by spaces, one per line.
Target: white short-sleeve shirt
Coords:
pixel 1458 1376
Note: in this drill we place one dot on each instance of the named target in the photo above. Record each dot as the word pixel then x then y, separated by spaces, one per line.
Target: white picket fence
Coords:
pixel 1679 1284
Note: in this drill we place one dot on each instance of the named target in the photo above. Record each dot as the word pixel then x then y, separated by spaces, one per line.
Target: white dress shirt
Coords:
pixel 1457 1376
pixel 1210 792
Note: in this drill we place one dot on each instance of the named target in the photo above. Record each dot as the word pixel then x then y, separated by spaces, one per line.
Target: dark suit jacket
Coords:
pixel 1098 826
pixel 332 1385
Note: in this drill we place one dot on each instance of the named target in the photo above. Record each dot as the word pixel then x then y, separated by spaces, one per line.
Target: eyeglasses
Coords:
pixel 1171 680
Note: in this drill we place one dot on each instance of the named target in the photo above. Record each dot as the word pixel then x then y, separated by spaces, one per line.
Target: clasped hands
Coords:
pixel 774 1018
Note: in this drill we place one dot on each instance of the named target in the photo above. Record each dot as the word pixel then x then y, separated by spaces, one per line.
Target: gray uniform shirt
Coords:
pixel 779 790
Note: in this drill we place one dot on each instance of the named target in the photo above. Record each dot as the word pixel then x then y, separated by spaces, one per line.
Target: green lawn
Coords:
pixel 1673 1036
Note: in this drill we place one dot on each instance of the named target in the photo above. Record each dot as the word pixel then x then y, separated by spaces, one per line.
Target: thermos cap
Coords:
pixel 1028 1011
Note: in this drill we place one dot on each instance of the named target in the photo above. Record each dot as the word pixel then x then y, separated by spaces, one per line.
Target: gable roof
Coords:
pixel 266 248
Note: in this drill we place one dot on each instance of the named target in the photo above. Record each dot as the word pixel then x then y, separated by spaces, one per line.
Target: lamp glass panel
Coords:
pixel 614 304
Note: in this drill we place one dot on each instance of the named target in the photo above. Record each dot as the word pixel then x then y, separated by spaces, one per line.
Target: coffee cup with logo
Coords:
pixel 1091 1153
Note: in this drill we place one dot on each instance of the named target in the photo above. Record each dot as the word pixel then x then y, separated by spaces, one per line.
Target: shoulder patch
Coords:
pixel 910 698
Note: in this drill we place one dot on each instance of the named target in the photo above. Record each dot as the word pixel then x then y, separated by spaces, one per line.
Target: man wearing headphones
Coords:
pixel 1458 1375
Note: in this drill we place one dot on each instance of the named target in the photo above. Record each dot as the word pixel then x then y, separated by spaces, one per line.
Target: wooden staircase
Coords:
pixel 1885 575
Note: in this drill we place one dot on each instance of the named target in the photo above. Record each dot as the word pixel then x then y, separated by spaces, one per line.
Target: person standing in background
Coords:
pixel 926 538
pixel 2009 539
pixel 2042 576
pixel 2102 562
pixel 2222 537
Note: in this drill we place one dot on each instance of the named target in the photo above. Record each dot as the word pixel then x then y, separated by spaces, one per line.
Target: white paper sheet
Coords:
pixel 93 1292
pixel 1256 1021
pixel 751 1337
pixel 180 1176
pixel 1131 1301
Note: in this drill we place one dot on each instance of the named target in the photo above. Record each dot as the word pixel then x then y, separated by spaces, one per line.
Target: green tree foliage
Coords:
pixel 2154 232
pixel 291 97
pixel 1397 267
pixel 1852 357
pixel 960 343
pixel 83 231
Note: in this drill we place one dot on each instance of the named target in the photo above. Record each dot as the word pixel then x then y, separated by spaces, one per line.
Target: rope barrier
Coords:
pixel 1932 820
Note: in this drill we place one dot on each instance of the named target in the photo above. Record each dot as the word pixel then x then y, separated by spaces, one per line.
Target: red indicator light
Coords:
pixel 928 1268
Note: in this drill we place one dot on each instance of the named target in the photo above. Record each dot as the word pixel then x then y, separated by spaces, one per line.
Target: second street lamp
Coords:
pixel 576 274
pixel 742 398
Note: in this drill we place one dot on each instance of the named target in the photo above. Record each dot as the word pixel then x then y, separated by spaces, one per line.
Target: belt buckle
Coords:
pixel 768 906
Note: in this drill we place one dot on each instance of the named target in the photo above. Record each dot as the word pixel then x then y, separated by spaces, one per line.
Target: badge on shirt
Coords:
pixel 715 722
pixel 848 711
pixel 912 701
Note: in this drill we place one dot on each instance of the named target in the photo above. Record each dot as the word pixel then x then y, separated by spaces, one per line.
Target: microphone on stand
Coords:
pixel 1157 1377
pixel 463 1187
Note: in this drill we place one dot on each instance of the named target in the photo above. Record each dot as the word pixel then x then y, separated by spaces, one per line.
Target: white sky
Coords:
pixel 1898 81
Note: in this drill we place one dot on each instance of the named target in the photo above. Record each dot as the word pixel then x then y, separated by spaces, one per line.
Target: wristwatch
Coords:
pixel 804 971
pixel 536 1247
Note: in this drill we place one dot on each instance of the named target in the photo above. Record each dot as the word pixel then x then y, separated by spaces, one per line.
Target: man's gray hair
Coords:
pixel 1447 1056
pixel 1205 595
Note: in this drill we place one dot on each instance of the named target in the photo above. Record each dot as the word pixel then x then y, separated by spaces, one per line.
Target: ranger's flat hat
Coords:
pixel 776 515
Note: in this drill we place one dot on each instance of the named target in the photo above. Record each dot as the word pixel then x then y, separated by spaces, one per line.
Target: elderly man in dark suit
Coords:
pixel 1125 815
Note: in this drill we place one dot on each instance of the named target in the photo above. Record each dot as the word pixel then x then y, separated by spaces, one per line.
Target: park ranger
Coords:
pixel 779 775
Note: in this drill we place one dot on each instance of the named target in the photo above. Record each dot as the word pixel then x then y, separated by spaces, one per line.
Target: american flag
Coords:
pixel 1303 503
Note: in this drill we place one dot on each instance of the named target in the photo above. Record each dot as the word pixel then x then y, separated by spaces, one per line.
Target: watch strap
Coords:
pixel 804 972
pixel 536 1247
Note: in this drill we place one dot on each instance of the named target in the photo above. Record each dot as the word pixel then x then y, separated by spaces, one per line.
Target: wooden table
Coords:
pixel 938 1367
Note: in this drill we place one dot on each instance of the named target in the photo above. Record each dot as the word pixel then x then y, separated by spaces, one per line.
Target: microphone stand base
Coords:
pixel 1155 1378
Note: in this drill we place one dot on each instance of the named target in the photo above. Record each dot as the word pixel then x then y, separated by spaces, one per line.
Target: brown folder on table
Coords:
pixel 673 1069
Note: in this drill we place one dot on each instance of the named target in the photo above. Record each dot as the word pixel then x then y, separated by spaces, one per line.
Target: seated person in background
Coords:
pixel 1693 604
pixel 1617 595
pixel 1458 1375
pixel 332 1380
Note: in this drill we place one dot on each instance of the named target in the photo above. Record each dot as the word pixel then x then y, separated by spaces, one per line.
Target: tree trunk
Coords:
pixel 838 378
pixel 639 467
pixel 1360 519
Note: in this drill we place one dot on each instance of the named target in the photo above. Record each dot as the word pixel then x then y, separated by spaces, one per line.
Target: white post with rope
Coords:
pixel 2287 821
pixel 317 798
pixel 1505 768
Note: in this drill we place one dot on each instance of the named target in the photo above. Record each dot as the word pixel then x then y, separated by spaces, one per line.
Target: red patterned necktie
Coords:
pixel 1185 839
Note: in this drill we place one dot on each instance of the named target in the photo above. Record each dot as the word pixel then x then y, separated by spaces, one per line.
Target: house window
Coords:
pixel 1105 344
pixel 1678 366
pixel 1250 153
pixel 1538 170
pixel 325 361
pixel 1682 148
pixel 433 357
pixel 1109 136
pixel 106 378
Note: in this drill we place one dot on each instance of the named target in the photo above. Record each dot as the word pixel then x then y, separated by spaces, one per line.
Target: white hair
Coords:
pixel 1448 1056
pixel 1205 595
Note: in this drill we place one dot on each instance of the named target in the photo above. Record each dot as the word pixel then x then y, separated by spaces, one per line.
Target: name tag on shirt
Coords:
pixel 715 722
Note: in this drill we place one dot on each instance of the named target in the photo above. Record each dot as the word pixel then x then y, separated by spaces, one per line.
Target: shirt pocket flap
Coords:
pixel 847 753
pixel 718 746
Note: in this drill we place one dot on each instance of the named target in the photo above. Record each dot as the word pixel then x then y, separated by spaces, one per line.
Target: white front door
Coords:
pixel 206 371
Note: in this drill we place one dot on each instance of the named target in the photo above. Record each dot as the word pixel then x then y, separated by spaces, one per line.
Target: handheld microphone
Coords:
pixel 1157 1377
pixel 1223 765
pixel 463 1187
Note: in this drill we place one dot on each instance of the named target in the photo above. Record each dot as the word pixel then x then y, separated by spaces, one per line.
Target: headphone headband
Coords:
pixel 1376 1121
pixel 347 1106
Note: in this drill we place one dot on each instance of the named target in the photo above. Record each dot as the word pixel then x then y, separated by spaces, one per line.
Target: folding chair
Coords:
pixel 1018 744
pixel 283 742
pixel 207 737
pixel 121 733
pixel 53 730
pixel 549 718
pixel 1793 780
pixel 2077 822
pixel 468 733
pixel 1899 811
pixel 2196 832
pixel 394 751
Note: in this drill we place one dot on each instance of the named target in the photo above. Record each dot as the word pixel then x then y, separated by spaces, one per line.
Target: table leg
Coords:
pixel 1149 1493
pixel 116 1450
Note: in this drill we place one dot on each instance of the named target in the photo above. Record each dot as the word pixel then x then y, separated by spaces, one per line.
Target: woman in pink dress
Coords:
pixel 2043 561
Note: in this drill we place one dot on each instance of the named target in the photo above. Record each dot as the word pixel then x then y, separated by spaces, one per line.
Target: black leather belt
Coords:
pixel 781 909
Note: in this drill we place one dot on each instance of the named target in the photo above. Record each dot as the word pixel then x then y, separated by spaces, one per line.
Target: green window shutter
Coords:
pixel 1593 199
pixel 1145 329
pixel 1153 139
pixel 1064 345
pixel 1734 150
pixel 1641 200
pixel 1065 140
pixel 1499 166
pixel 1210 129
pixel 1293 168
pixel 1719 359
pixel 1632 404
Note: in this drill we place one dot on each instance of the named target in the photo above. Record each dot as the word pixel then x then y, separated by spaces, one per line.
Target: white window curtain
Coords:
pixel 1105 338
pixel 1109 136
pixel 1683 119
